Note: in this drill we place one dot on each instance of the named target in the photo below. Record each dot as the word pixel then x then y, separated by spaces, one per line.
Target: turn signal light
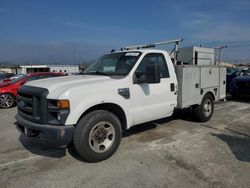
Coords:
pixel 63 104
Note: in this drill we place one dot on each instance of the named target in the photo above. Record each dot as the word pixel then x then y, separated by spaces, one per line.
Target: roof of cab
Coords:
pixel 148 50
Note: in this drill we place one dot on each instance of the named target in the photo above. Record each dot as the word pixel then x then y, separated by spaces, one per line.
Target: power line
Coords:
pixel 230 44
pixel 238 45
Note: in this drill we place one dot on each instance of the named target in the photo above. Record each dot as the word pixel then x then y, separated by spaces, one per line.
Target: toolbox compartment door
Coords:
pixel 222 89
pixel 209 77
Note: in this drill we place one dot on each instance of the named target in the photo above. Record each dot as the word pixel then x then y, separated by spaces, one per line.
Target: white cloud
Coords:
pixel 205 26
pixel 242 5
pixel 224 32
pixel 54 43
pixel 197 19
pixel 100 28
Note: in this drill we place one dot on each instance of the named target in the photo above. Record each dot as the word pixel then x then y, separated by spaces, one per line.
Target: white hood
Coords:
pixel 58 85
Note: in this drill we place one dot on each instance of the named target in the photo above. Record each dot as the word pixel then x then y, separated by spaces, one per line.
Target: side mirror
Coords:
pixel 150 76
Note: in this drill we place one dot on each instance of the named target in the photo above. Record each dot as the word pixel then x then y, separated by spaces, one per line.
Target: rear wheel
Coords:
pixel 97 136
pixel 7 100
pixel 205 110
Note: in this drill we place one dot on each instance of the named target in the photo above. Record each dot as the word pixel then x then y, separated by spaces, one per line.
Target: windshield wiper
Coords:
pixel 102 73
pixel 98 73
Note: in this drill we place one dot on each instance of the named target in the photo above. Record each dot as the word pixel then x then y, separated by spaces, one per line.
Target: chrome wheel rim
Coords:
pixel 207 107
pixel 102 137
pixel 6 101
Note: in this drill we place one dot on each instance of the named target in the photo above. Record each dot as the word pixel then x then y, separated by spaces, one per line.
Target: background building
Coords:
pixel 25 69
pixel 9 69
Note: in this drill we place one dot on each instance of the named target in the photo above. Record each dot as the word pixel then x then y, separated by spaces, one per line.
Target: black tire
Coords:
pixel 7 100
pixel 92 129
pixel 201 112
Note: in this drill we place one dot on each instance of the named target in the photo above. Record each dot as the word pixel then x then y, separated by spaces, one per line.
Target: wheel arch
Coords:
pixel 210 93
pixel 207 93
pixel 110 107
pixel 9 94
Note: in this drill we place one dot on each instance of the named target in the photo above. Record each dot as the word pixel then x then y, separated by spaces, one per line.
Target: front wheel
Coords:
pixel 7 100
pixel 204 111
pixel 97 136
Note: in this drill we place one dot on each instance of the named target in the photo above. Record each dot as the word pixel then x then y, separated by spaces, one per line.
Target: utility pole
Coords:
pixel 243 60
pixel 74 52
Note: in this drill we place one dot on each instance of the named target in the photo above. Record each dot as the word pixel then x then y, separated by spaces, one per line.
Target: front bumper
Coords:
pixel 52 135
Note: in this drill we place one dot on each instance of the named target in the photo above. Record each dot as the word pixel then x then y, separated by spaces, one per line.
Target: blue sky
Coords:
pixel 59 30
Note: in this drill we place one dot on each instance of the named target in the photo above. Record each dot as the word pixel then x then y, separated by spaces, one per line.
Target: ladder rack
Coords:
pixel 152 45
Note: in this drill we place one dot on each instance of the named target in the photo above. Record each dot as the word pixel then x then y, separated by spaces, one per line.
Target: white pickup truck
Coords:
pixel 118 91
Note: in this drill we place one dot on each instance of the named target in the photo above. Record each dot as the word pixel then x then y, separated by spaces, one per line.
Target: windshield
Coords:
pixel 17 78
pixel 113 64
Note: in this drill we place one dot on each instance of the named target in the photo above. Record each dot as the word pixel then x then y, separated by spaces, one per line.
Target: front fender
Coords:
pixel 78 108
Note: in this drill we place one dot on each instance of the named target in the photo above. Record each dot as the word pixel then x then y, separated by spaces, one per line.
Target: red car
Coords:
pixel 8 89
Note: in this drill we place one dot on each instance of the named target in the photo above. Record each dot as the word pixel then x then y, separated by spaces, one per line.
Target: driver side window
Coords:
pixel 152 59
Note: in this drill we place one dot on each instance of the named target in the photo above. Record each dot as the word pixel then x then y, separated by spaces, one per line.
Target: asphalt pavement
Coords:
pixel 172 152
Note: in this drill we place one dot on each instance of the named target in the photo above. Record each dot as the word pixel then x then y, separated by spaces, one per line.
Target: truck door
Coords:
pixel 153 101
